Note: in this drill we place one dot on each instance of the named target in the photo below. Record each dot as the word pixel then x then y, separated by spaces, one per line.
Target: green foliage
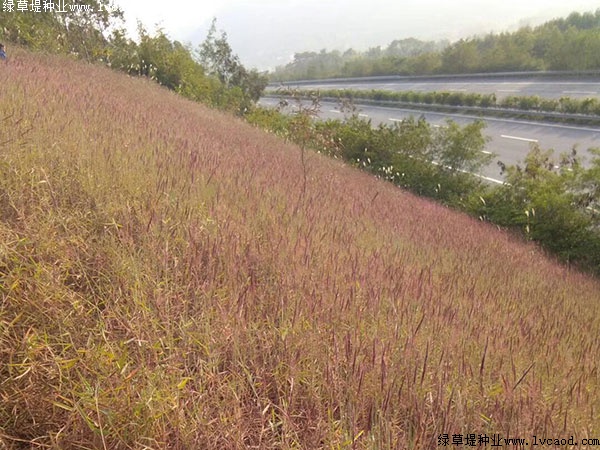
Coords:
pixel 218 58
pixel 553 203
pixel 461 57
pixel 534 103
pixel 216 55
pixel 225 83
pixel 268 119
pixel 80 33
pixel 563 44
pixel 461 148
pixel 173 65
pixel 437 163
pixel 401 56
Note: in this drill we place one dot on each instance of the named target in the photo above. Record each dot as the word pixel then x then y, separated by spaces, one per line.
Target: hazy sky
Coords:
pixel 266 33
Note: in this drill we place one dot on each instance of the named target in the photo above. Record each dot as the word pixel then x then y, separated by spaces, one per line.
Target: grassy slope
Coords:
pixel 165 282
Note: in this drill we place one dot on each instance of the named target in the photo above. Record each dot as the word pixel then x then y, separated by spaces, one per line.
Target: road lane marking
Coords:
pixel 487 119
pixel 518 138
pixel 486 152
pixel 483 177
pixel 581 92
pixel 476 175
pixel 493 180
pixel 340 112
pixel 492 119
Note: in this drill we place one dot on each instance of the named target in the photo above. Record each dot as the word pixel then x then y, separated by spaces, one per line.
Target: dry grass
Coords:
pixel 167 281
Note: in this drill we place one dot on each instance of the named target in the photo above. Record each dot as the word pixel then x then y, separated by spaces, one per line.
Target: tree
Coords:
pixel 81 32
pixel 461 148
pixel 218 59
pixel 86 29
pixel 462 57
pixel 553 202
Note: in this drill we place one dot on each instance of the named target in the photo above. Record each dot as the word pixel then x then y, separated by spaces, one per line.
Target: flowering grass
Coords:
pixel 171 277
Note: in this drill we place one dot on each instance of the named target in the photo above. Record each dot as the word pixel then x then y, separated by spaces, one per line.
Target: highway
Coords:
pixel 501 86
pixel 510 139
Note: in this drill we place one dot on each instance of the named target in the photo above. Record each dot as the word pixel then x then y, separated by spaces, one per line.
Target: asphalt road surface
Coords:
pixel 501 86
pixel 510 139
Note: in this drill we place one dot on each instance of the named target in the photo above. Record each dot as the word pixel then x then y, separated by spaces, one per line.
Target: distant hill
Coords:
pixel 171 277
pixel 571 43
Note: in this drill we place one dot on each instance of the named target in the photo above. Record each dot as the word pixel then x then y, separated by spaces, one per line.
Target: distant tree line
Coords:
pixel 211 74
pixel 571 43
pixel 352 63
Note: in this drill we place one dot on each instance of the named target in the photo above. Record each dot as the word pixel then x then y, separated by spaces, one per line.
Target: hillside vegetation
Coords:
pixel 211 74
pixel 551 199
pixel 171 277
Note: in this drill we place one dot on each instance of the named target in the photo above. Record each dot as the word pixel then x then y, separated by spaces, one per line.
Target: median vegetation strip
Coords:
pixel 565 109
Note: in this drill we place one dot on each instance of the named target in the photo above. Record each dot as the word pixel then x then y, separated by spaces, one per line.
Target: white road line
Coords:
pixel 486 152
pixel 581 92
pixel 493 180
pixel 489 119
pixel 363 115
pixel 518 138
pixel 335 111
pixel 483 177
